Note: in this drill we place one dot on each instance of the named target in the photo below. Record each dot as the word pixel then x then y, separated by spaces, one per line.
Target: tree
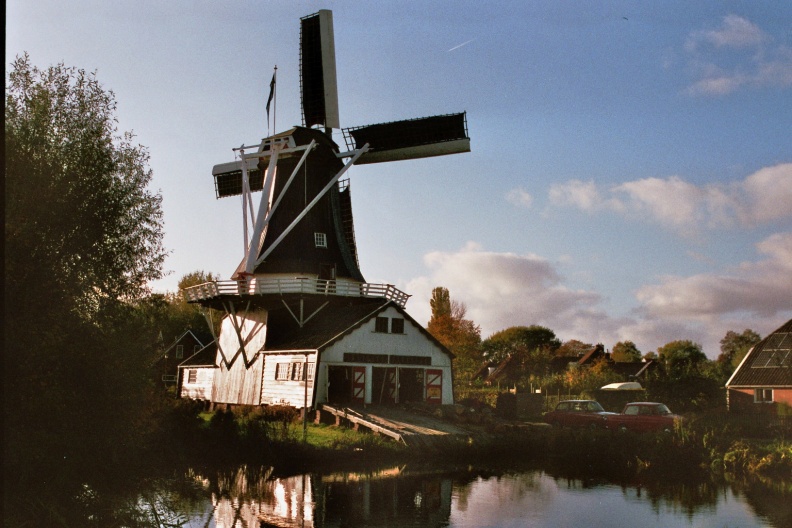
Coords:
pixel 501 344
pixel 650 356
pixel 194 278
pixel 734 346
pixel 461 336
pixel 573 348
pixel 625 352
pixel 83 240
pixel 440 302
pixel 531 348
pixel 681 358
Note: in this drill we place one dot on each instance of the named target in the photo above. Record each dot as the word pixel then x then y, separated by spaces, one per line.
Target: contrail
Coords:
pixel 460 45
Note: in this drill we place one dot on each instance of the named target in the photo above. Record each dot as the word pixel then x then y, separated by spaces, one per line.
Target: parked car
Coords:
pixel 577 413
pixel 641 417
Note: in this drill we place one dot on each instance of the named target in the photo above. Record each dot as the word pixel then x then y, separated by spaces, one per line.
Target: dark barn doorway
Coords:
pixel 339 384
pixel 411 385
pixel 383 382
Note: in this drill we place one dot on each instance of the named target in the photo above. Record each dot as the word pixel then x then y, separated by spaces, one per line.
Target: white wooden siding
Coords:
pixel 202 388
pixel 364 340
pixel 238 385
pixel 240 382
pixel 286 392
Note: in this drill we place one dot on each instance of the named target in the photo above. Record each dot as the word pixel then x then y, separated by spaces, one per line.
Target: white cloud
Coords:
pixel 583 195
pixel 765 195
pixel 762 198
pixel 506 289
pixel 735 55
pixel 735 32
pixel 519 197
pixel 762 288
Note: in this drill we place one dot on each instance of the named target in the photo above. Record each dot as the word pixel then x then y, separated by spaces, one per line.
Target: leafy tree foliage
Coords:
pixel 573 347
pixel 682 357
pixel 530 349
pixel 79 189
pixel 194 278
pixel 625 352
pixel 504 343
pixel 461 336
pixel 83 239
pixel 585 379
pixel 734 346
pixel 440 302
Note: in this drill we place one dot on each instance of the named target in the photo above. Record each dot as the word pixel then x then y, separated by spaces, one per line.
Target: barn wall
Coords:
pixel 238 385
pixel 365 340
pixel 238 380
pixel 286 392
pixel 202 388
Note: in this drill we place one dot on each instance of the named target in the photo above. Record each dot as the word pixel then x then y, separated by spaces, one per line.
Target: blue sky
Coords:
pixel 631 167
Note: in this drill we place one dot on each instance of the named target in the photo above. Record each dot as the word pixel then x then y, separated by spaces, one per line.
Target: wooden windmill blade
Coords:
pixel 318 86
pixel 410 139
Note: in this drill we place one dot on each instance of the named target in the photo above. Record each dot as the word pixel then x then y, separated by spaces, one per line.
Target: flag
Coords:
pixel 271 95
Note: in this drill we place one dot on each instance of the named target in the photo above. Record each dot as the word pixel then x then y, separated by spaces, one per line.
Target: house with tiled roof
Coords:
pixel 762 383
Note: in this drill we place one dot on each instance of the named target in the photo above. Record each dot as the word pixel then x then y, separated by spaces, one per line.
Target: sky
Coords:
pixel 630 173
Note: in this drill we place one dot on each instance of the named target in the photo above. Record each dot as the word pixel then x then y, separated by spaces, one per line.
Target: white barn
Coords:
pixel 359 351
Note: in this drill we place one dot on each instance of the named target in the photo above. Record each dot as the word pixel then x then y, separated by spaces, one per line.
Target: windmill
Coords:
pixel 299 245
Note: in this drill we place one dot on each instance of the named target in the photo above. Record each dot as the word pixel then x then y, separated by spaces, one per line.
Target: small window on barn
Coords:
pixel 381 325
pixel 763 395
pixel 397 325
pixel 297 371
pixel 179 351
pixel 281 371
pixel 192 376
pixel 311 368
pixel 320 240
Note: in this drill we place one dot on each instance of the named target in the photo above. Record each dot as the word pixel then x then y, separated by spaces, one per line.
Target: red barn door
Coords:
pixel 358 384
pixel 434 386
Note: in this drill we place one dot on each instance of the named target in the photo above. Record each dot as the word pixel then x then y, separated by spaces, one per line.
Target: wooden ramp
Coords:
pixel 411 428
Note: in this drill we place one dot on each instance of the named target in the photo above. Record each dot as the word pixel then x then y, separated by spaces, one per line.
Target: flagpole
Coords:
pixel 275 98
pixel 271 99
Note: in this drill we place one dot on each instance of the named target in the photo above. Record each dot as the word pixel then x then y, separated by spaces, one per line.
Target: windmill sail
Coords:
pixel 410 139
pixel 318 70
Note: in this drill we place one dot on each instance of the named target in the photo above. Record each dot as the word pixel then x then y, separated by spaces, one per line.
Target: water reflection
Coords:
pixel 408 497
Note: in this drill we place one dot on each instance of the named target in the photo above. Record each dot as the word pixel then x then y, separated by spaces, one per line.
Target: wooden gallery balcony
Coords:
pixel 209 291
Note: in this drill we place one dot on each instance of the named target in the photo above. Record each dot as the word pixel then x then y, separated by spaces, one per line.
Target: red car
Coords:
pixel 577 413
pixel 641 417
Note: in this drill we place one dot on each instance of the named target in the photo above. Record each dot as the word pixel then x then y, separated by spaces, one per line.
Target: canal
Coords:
pixel 420 497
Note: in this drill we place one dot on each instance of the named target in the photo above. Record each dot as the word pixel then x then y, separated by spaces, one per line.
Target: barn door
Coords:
pixel 358 384
pixel 383 385
pixel 434 386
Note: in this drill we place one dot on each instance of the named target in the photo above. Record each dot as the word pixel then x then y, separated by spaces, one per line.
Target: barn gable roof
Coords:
pixel 769 363
pixel 187 336
pixel 203 358
pixel 336 320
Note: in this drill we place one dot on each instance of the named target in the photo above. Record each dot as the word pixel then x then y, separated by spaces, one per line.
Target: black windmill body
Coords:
pixel 303 229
